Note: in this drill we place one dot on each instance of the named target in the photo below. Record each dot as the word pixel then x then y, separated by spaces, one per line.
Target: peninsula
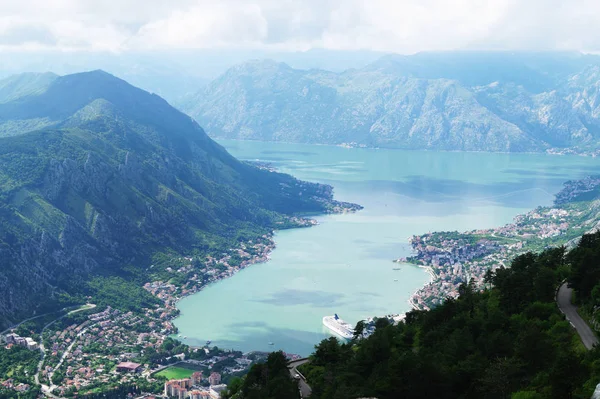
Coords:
pixel 454 258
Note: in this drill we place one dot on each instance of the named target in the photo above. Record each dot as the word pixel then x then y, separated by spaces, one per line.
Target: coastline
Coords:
pixel 454 258
pixel 432 277
pixel 160 289
pixel 429 270
pixel 170 294
pixel 548 151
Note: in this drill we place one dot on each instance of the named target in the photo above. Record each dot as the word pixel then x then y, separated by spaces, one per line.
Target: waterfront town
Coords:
pixel 93 349
pixel 97 348
pixel 454 258
pixel 102 349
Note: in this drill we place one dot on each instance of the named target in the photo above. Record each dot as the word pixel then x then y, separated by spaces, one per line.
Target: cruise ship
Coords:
pixel 339 326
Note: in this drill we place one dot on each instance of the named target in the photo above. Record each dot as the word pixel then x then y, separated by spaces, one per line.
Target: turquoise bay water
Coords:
pixel 344 265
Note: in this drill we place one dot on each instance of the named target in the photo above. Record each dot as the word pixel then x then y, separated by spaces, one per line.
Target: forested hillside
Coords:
pixel 97 177
pixel 508 341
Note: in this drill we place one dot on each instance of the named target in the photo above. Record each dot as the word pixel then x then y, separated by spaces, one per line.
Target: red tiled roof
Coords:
pixel 128 365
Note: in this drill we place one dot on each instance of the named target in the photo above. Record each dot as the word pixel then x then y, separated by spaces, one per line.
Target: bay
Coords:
pixel 344 265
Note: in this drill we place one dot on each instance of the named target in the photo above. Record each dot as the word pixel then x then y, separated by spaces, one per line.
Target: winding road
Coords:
pixel 563 299
pixel 47 390
pixel 303 387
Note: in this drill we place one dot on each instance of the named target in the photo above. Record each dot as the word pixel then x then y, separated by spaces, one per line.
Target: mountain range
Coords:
pixel 98 176
pixel 504 102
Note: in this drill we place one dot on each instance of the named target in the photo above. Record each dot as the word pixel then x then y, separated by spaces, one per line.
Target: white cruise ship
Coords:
pixel 339 326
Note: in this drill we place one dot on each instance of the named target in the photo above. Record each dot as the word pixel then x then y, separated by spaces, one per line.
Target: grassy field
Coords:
pixel 175 373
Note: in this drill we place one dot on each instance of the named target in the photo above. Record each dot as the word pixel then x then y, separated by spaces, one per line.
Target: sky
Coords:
pixel 401 26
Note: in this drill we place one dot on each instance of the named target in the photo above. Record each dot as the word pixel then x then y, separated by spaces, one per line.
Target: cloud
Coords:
pixel 213 24
pixel 403 26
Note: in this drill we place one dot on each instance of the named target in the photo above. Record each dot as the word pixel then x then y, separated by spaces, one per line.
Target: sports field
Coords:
pixel 175 373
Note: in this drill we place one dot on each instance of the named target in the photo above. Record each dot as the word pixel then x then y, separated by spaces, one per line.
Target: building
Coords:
pixel 129 367
pixel 31 344
pixel 214 379
pixel 177 388
pixel 171 389
pixel 15 339
pixel 197 394
pixel 215 390
pixel 11 338
pixel 197 378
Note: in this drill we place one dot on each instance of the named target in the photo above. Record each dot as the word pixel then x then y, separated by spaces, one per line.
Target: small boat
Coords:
pixel 271 343
pixel 395 279
pixel 179 335
pixel 184 337
pixel 208 342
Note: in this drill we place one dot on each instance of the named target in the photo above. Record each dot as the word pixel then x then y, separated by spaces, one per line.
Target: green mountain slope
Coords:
pixel 507 341
pixel 118 176
pixel 440 101
pixel 24 84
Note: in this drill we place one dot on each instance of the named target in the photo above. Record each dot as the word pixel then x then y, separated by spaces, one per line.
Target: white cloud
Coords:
pixel 404 26
pixel 205 25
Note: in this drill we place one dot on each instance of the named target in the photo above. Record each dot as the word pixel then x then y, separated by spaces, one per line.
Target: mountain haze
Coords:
pixel 97 176
pixel 439 101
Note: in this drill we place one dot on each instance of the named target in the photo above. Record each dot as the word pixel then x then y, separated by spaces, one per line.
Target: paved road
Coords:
pixel 47 390
pixel 76 309
pixel 65 354
pixel 563 298
pixel 304 388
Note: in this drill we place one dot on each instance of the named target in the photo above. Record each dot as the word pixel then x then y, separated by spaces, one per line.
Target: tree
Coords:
pixel 508 341
pixel 526 395
pixel 270 380
pixel 359 329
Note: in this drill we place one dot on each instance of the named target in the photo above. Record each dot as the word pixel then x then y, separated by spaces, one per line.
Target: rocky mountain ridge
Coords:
pixel 498 102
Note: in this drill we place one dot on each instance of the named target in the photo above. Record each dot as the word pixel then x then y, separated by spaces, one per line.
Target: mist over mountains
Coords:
pixel 470 101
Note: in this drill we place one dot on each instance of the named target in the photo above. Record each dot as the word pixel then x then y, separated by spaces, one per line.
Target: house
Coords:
pixel 197 378
pixel 129 367
pixel 214 379
pixel 177 388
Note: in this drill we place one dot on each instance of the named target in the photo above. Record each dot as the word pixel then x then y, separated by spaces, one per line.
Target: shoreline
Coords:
pixel 454 258
pixel 432 277
pixel 548 151
pixel 171 300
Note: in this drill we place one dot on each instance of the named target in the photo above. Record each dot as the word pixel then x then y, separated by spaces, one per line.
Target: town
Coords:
pixel 93 349
pixel 454 258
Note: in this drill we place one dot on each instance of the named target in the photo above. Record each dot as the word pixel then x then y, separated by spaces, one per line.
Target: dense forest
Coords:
pixel 506 341
pixel 268 380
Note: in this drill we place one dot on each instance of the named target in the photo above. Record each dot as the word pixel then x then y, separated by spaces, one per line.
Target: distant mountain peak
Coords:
pixel 25 84
pixel 260 65
pixel 476 101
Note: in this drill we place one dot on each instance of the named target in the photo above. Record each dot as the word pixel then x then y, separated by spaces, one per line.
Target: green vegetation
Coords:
pixel 508 341
pixel 119 391
pixel 269 380
pixel 24 84
pixel 18 363
pixel 175 373
pixel 122 294
pixel 119 180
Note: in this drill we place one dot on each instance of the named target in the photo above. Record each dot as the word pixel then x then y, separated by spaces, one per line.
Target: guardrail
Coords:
pixel 290 363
